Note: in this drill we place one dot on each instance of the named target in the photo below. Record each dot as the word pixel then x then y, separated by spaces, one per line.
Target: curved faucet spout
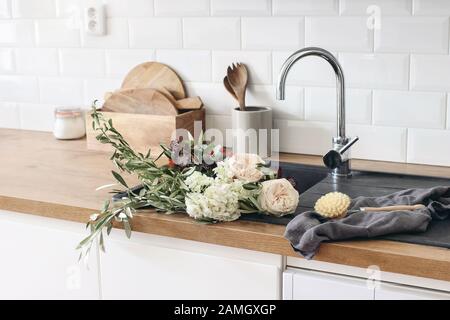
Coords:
pixel 322 53
pixel 338 159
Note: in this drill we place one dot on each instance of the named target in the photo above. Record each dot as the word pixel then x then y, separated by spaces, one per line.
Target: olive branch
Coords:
pixel 163 187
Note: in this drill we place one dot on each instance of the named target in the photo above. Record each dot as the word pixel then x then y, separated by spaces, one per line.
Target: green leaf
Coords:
pixel 109 228
pixel 119 178
pixel 105 206
pixel 255 203
pixel 127 227
pixel 101 242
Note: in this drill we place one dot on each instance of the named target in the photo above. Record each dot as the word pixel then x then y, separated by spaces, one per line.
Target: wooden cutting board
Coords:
pixel 157 76
pixel 141 101
pixel 190 103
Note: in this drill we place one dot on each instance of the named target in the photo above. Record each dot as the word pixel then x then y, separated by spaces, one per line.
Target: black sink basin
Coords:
pixel 303 176
pixel 313 182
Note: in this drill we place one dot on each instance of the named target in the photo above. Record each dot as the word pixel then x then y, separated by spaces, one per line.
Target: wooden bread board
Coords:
pixel 142 101
pixel 155 75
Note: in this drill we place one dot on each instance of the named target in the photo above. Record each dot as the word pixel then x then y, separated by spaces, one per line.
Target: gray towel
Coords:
pixel 308 230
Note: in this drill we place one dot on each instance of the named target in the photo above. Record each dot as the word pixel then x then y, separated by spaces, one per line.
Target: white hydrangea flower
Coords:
pixel 197 181
pixel 238 187
pixel 219 202
pixel 223 172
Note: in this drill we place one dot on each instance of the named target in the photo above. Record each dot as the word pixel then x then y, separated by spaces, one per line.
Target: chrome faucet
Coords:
pixel 338 159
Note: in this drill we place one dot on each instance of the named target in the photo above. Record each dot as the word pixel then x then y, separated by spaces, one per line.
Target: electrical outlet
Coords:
pixel 95 19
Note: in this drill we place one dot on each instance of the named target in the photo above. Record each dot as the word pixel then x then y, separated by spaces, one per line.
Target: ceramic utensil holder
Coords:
pixel 252 131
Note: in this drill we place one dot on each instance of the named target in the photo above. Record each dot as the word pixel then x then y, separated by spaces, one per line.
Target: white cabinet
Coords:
pixel 302 284
pixel 397 292
pixel 153 267
pixel 39 261
pixel 313 285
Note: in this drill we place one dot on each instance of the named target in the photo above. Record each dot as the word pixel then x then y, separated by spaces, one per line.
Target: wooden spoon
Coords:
pixel 238 79
pixel 229 88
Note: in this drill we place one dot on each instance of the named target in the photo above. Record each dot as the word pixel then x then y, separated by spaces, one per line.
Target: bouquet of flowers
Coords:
pixel 199 179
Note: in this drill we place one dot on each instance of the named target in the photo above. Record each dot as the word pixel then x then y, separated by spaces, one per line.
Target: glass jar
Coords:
pixel 69 124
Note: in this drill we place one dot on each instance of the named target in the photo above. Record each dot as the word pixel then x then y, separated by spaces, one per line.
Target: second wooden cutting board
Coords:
pixel 157 76
pixel 143 101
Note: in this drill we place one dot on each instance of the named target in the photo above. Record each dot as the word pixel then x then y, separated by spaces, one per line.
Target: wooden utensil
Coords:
pixel 394 208
pixel 238 79
pixel 229 88
pixel 155 75
pixel 142 101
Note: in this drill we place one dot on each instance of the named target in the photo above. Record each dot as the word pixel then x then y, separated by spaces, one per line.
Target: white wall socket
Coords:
pixel 95 19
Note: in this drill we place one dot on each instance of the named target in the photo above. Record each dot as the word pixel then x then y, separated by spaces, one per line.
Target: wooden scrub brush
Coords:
pixel 335 205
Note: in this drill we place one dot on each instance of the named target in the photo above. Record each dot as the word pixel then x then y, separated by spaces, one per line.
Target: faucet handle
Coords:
pixel 334 158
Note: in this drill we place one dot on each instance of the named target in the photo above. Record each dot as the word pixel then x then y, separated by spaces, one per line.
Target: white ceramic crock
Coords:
pixel 252 130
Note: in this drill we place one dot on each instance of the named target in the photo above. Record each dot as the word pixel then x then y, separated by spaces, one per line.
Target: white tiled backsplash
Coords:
pixel 397 74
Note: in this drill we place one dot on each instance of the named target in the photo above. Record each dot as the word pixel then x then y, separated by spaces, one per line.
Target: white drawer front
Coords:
pixel 397 292
pixel 311 285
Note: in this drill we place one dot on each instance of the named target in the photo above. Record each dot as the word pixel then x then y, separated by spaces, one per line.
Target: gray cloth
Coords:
pixel 308 230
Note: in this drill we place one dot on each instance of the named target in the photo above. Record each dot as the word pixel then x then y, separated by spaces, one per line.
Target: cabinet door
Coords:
pixel 312 285
pixel 39 260
pixel 151 267
pixel 398 292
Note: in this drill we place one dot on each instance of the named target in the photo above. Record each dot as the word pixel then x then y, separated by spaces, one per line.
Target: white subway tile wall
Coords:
pixel 395 55
pixel 33 9
pixel 17 33
pixel 117 37
pixel 212 33
pixel 5 9
pixel 10 117
pixel 448 111
pixel 305 7
pixel 383 7
pixel 37 61
pixel 120 61
pixel 181 7
pixel 189 64
pixel 334 33
pixel 267 33
pixel 7 61
pixel 241 8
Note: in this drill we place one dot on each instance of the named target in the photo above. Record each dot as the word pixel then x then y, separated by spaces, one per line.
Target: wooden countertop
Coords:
pixel 57 179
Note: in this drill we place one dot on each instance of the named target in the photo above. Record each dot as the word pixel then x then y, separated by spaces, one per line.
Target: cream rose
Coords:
pixel 244 167
pixel 278 197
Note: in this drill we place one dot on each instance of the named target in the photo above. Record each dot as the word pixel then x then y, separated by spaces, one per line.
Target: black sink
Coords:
pixel 303 176
pixel 313 182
